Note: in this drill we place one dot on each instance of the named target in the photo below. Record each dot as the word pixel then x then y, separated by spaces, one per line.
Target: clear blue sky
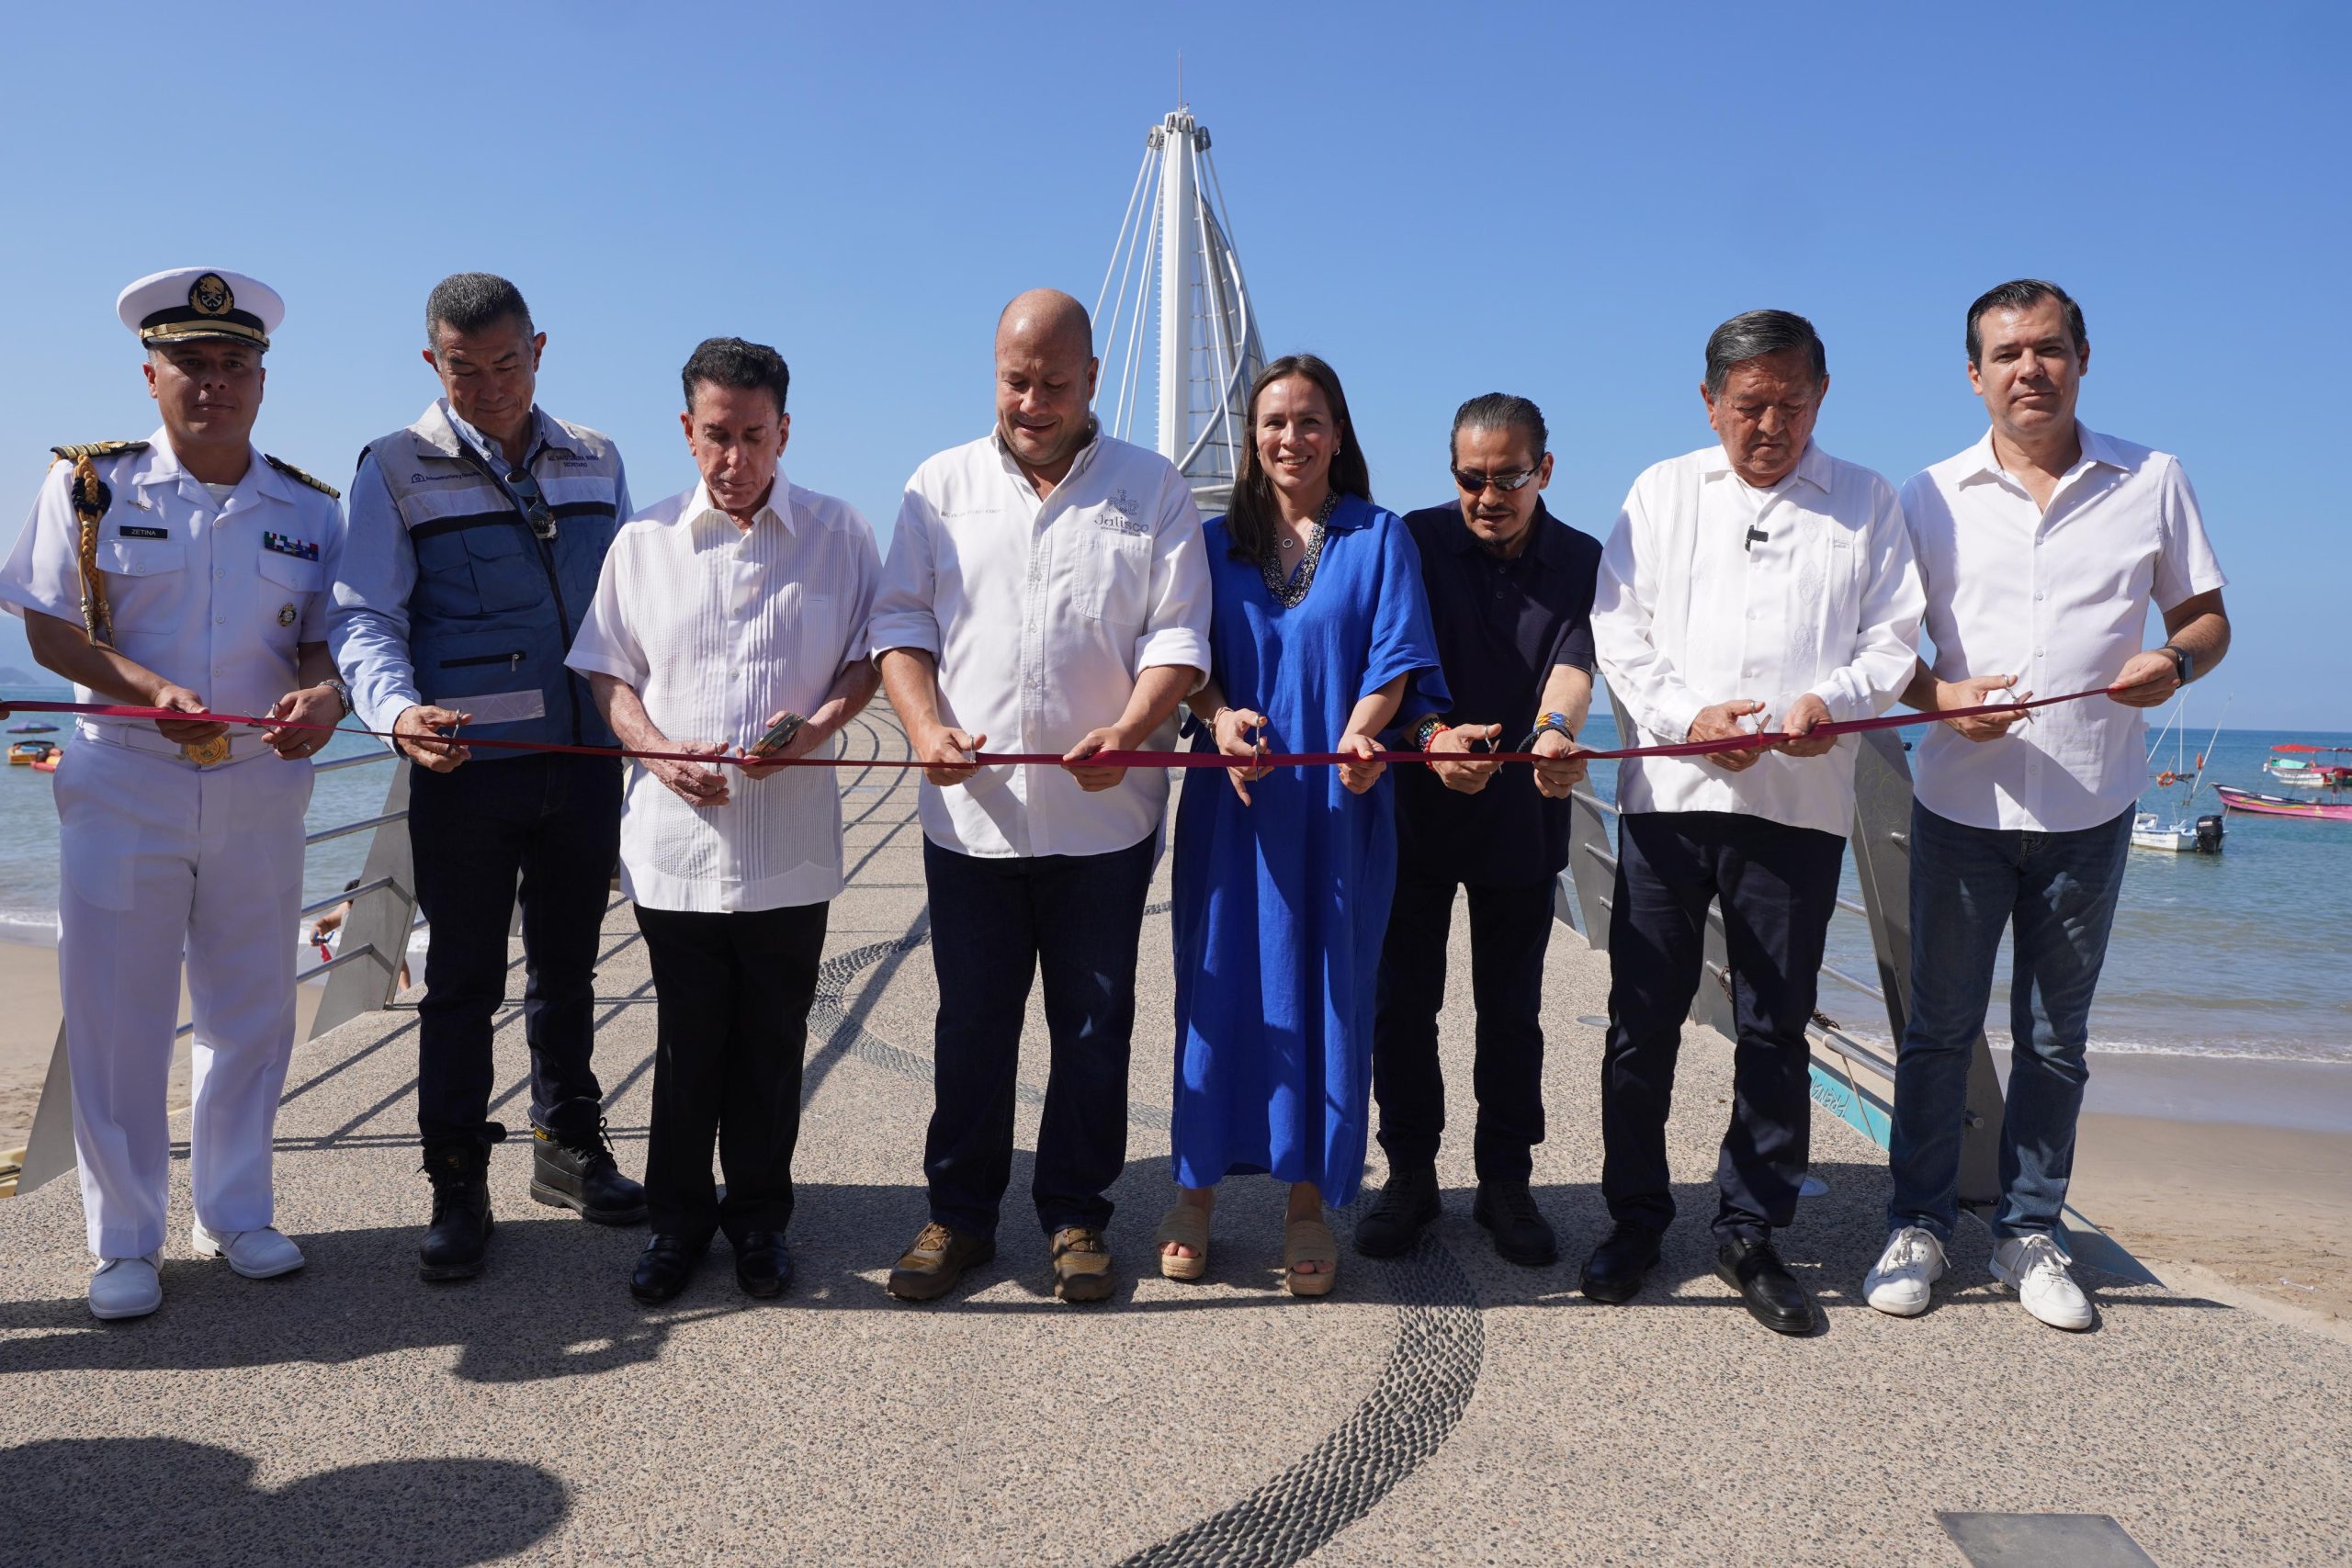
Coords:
pixel 1442 200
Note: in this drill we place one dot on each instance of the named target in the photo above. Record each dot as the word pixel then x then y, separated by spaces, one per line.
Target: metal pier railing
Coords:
pixel 1853 1078
pixel 363 976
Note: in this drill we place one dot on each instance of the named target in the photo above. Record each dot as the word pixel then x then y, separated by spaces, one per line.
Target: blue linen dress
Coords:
pixel 1281 905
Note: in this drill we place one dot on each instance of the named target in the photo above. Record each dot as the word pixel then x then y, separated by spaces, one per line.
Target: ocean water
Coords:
pixel 2241 954
pixel 28 824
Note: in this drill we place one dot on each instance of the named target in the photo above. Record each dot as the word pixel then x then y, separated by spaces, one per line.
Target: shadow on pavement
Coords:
pixel 165 1500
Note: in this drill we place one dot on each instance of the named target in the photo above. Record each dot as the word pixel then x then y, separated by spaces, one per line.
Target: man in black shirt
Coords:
pixel 1510 596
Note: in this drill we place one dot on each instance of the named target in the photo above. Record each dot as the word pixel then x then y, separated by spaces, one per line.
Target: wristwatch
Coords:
pixel 2181 662
pixel 341 693
pixel 1427 730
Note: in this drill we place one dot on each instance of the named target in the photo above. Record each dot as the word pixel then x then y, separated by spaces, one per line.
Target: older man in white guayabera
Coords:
pixel 1758 582
pixel 731 620
pixel 2041 546
pixel 1049 589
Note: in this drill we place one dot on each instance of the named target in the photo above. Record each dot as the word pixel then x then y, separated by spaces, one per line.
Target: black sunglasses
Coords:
pixel 535 503
pixel 1472 482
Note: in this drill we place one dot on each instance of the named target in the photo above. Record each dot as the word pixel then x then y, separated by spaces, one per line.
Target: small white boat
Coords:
pixel 2151 831
pixel 2178 833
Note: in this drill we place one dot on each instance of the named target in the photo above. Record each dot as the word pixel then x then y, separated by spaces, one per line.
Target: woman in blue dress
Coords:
pixel 1283 876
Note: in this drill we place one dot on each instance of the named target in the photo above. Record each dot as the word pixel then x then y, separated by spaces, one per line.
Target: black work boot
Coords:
pixel 1408 1202
pixel 1521 1233
pixel 459 1232
pixel 578 1171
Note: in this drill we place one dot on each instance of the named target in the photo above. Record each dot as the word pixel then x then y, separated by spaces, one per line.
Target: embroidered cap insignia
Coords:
pixel 210 295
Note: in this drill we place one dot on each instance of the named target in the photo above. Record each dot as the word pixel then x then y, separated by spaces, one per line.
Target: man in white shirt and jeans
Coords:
pixel 1759 583
pixel 1047 591
pixel 2042 547
pixel 719 614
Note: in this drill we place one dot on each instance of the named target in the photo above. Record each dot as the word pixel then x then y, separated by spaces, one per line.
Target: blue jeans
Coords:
pixel 995 923
pixel 1967 884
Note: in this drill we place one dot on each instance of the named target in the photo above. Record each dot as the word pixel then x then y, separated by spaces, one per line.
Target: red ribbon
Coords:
pixel 1101 759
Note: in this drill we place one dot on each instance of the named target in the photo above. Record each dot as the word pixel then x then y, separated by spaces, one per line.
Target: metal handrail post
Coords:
pixel 380 918
pixel 1883 801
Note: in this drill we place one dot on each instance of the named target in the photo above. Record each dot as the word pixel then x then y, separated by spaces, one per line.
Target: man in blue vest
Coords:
pixel 475 541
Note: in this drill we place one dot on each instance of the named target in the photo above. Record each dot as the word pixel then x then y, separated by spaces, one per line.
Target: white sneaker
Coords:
pixel 125 1287
pixel 257 1255
pixel 1898 1282
pixel 2035 1267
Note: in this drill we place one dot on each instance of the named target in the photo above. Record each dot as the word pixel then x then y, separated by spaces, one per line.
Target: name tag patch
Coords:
pixel 499 708
pixel 129 532
pixel 300 549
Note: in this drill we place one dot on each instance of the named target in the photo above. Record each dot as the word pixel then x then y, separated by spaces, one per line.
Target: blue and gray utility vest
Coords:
pixel 496 605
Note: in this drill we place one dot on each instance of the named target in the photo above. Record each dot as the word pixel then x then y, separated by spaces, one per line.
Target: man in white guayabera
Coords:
pixel 731 620
pixel 1756 582
pixel 2042 547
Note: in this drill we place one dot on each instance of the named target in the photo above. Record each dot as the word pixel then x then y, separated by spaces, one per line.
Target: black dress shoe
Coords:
pixel 763 1263
pixel 1773 1296
pixel 1406 1205
pixel 664 1268
pixel 1521 1233
pixel 578 1171
pixel 1613 1273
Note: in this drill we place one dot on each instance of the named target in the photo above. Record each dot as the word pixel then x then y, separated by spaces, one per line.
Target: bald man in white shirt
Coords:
pixel 2042 547
pixel 1759 583
pixel 1047 590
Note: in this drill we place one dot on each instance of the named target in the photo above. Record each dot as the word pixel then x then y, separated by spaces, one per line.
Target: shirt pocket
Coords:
pixel 287 586
pixel 147 585
pixel 1110 578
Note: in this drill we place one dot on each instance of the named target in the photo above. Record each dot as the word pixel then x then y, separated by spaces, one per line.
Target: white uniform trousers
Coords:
pixel 160 857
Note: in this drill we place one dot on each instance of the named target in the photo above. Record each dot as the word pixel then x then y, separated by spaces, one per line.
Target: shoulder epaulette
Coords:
pixel 291 472
pixel 98 449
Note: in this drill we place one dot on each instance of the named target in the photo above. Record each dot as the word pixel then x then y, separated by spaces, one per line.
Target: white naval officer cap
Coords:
pixel 192 302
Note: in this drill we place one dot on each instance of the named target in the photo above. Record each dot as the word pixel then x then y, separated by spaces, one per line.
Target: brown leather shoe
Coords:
pixel 1081 1265
pixel 936 1260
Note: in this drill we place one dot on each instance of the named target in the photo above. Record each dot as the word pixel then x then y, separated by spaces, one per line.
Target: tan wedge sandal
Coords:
pixel 1309 1241
pixel 1185 1225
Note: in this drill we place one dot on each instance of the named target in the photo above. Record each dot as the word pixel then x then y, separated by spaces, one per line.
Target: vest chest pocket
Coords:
pixel 147 585
pixel 478 569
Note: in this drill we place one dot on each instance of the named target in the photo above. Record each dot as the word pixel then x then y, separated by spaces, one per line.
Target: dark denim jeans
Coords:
pixel 1967 884
pixel 553 822
pixel 994 923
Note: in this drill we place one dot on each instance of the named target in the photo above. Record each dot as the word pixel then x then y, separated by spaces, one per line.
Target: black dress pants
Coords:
pixel 1511 926
pixel 733 1024
pixel 995 925
pixel 544 829
pixel 1778 888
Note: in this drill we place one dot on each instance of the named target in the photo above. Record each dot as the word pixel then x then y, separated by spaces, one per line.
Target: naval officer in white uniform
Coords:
pixel 182 572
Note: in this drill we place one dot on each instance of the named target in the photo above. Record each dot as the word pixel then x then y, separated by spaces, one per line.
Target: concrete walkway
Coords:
pixel 1445 1406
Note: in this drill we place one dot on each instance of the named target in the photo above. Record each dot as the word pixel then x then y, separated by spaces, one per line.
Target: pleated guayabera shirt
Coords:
pixel 716 627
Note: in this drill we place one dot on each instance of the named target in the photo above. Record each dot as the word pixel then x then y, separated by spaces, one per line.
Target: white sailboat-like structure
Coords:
pixel 1174 263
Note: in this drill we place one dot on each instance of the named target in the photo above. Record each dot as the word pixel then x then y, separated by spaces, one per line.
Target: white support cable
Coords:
pixel 1131 367
pixel 1124 219
pixel 1212 288
pixel 1130 238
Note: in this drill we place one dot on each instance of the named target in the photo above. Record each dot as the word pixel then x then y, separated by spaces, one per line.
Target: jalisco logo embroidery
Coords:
pixel 210 295
pixel 1123 514
pixel 300 549
pixel 285 615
